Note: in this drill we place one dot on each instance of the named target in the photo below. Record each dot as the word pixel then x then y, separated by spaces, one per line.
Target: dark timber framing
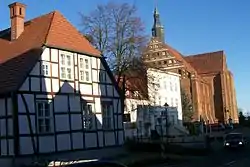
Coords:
pixel 37 95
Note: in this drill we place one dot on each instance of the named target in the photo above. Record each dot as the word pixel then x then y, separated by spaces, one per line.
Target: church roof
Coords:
pixel 212 62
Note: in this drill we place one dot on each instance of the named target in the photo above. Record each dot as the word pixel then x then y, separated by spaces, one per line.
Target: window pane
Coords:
pixel 63 74
pixel 62 59
pixel 68 61
pixel 89 109
pixel 68 73
pixel 81 63
pixel 82 75
pixel 40 109
pixel 87 75
pixel 86 64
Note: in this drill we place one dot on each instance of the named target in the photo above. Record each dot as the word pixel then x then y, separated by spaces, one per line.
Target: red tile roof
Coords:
pixel 51 30
pixel 205 63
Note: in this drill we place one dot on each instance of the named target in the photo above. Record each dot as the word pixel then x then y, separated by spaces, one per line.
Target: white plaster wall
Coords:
pixel 163 89
pixel 130 103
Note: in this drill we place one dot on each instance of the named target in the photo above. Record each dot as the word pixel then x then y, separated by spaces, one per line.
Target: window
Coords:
pixel 159 100
pixel 62 59
pixel 84 69
pixel 66 66
pixel 165 85
pixel 171 86
pixel 43 117
pixel 176 102
pixel 63 72
pixel 88 116
pixel 163 53
pixel 172 102
pixel 45 69
pixel 166 100
pixel 107 116
pixel 175 87
pixel 102 76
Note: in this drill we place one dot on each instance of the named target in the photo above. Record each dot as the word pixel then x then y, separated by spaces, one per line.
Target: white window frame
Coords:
pixel 107 116
pixel 43 117
pixel 46 71
pixel 84 69
pixel 88 116
pixel 66 65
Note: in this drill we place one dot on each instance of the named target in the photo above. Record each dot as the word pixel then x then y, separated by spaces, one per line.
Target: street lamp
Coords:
pixel 166 117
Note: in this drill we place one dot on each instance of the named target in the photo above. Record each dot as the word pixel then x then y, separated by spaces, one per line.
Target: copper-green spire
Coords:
pixel 157 29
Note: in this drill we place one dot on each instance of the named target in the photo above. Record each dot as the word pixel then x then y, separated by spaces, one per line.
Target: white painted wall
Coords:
pixel 92 91
pixel 163 87
pixel 131 107
pixel 167 89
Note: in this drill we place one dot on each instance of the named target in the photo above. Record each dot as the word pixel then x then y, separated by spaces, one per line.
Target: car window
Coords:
pixel 234 136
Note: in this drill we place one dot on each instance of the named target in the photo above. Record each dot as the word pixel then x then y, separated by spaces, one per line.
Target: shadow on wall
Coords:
pixel 65 122
pixel 218 105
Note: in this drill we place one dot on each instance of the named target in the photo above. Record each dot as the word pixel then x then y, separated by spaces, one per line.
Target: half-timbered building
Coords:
pixel 56 90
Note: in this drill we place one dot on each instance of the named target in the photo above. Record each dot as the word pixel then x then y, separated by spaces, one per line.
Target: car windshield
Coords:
pixel 234 136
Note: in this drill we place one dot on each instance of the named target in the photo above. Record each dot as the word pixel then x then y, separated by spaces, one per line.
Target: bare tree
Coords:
pixel 118 33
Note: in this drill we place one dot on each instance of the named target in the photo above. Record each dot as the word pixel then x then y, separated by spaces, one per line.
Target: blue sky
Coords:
pixel 191 27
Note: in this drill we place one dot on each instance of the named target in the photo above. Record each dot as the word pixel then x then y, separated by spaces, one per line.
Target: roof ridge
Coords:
pixel 50 24
pixel 205 53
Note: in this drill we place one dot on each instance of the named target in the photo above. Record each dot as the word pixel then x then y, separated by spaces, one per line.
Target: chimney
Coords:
pixel 17 14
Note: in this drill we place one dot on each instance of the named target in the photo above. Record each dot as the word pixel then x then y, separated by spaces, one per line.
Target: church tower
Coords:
pixel 158 29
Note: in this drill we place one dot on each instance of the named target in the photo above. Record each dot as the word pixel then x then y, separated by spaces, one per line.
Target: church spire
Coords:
pixel 157 29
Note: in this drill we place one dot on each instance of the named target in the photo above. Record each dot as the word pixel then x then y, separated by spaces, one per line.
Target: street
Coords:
pixel 237 158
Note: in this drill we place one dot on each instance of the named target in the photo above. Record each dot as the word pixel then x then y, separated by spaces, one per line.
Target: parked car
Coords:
pixel 234 140
pixel 93 164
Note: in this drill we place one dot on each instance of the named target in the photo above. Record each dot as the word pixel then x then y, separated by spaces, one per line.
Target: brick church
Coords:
pixel 205 77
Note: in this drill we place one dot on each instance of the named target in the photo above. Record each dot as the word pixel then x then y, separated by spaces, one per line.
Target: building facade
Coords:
pixel 57 93
pixel 162 88
pixel 205 78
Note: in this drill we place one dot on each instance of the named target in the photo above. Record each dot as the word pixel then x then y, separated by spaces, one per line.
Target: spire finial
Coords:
pixel 156 9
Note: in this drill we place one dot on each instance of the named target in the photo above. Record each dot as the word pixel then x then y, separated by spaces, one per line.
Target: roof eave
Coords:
pixel 71 50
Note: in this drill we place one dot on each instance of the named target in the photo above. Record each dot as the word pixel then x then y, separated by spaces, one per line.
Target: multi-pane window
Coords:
pixel 45 69
pixel 66 66
pixel 43 117
pixel 171 86
pixel 107 113
pixel 164 85
pixel 84 69
pixel 88 116
pixel 176 102
pixel 102 77
pixel 175 87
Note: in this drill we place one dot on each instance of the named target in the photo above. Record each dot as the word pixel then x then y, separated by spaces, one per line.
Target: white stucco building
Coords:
pixel 162 87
